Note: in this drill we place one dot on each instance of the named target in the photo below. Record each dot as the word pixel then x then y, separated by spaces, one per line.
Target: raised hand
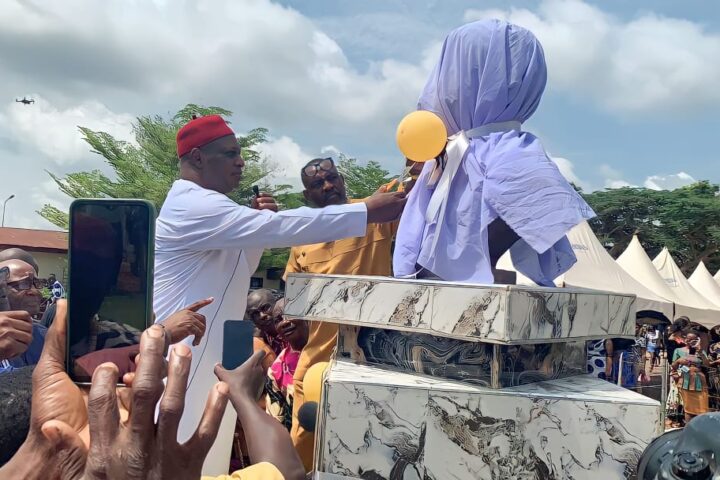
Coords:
pixel 264 201
pixel 186 322
pixel 140 448
pixel 15 333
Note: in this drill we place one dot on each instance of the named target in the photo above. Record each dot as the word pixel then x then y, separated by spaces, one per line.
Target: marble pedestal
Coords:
pixel 477 363
pixel 506 314
pixel 435 380
pixel 379 424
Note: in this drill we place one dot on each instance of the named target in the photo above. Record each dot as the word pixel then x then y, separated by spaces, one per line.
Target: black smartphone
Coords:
pixel 4 302
pixel 237 343
pixel 110 283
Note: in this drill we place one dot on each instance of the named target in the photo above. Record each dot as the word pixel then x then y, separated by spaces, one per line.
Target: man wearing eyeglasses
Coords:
pixel 366 255
pixel 21 339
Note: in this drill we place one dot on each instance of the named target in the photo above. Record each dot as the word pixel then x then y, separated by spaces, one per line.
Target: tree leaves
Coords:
pixel 361 181
pixel 686 220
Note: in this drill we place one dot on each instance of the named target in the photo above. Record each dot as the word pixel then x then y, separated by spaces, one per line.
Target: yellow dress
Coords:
pixel 368 255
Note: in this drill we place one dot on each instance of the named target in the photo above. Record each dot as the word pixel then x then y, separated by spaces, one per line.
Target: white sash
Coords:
pixel 455 152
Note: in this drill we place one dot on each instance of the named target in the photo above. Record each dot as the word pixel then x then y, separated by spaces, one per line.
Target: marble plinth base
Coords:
pixel 379 424
pixel 496 314
pixel 483 364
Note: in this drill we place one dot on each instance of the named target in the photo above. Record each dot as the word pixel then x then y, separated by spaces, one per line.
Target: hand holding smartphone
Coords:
pixel 110 283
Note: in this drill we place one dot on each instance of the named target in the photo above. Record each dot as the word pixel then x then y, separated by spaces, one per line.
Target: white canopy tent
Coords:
pixel 705 284
pixel 636 262
pixel 596 269
pixel 674 278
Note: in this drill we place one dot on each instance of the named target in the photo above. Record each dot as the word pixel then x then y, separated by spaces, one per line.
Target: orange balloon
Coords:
pixel 421 136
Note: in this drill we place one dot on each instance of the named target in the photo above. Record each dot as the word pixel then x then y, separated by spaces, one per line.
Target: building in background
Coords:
pixel 49 248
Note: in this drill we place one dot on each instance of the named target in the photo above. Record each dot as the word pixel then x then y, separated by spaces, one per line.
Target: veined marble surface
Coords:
pixel 388 425
pixel 483 364
pixel 492 313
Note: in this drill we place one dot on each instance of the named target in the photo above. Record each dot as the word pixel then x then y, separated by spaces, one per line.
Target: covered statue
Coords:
pixel 493 188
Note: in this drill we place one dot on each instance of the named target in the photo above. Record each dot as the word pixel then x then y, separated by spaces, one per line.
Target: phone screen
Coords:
pixel 110 284
pixel 237 343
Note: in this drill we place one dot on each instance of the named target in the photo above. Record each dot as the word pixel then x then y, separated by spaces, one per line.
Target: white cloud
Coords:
pixel 668 182
pixel 288 159
pixel 613 178
pixel 617 184
pixel 265 61
pixel 54 132
pixel 567 169
pixel 648 64
pixel 330 150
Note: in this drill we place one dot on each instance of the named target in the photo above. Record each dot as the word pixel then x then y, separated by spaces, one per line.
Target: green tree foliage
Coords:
pixel 361 181
pixel 148 169
pixel 686 220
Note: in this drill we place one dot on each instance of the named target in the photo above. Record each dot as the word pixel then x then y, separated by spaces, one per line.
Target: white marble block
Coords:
pixel 380 424
pixel 489 313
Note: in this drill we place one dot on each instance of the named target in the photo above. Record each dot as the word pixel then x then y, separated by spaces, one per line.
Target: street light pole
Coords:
pixel 4 205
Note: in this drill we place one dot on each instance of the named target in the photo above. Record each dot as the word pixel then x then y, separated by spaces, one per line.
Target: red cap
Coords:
pixel 201 131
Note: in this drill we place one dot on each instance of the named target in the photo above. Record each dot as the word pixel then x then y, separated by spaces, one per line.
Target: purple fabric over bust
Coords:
pixel 490 72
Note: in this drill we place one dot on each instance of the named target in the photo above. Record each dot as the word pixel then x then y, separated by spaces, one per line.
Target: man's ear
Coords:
pixel 306 194
pixel 196 158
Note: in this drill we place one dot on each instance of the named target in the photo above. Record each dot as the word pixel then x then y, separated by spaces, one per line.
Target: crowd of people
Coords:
pixel 691 353
pixel 285 347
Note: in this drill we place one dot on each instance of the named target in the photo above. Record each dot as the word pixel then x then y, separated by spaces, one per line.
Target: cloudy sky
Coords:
pixel 632 95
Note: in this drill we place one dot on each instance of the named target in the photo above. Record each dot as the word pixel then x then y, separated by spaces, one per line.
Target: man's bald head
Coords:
pixel 19 254
pixel 22 293
pixel 18 269
pixel 260 297
pixel 260 305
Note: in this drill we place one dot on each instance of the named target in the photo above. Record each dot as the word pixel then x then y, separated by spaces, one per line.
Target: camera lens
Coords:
pixel 690 466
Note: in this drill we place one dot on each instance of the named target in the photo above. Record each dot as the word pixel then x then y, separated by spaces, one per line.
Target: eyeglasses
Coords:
pixel 325 164
pixel 25 284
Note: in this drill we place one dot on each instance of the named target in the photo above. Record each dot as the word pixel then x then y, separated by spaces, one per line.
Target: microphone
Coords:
pixel 307 416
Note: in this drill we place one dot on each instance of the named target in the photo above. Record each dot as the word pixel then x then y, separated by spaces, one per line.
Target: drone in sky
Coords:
pixel 25 100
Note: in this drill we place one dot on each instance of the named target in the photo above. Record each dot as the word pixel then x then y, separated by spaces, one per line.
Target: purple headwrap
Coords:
pixel 489 80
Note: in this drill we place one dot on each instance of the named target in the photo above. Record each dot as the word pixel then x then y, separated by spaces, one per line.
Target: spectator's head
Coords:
pixel 19 254
pixel 323 183
pixel 260 305
pixel 23 288
pixel 691 338
pixel 680 323
pixel 51 279
pixel 292 330
pixel 15 400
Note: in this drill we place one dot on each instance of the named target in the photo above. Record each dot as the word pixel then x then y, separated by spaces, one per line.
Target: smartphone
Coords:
pixel 4 302
pixel 237 343
pixel 110 284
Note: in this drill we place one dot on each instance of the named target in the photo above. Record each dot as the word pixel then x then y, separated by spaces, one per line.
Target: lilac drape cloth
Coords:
pixel 490 72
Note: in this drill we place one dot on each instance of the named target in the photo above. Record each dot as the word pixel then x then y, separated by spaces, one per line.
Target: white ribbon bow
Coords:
pixel 455 152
